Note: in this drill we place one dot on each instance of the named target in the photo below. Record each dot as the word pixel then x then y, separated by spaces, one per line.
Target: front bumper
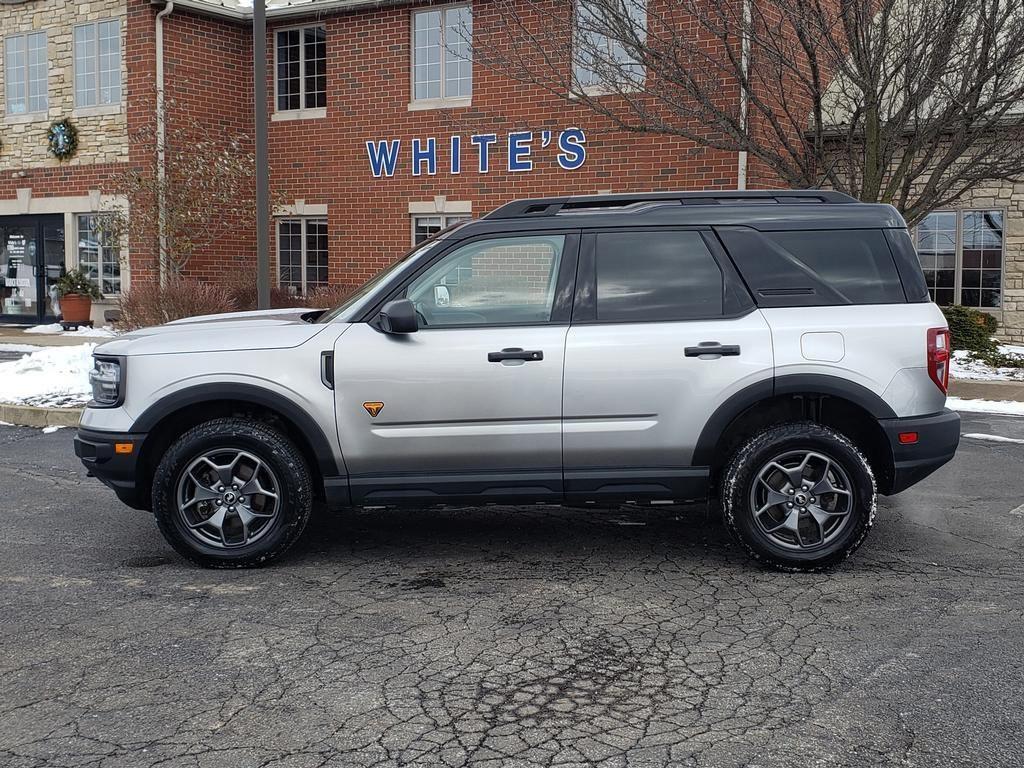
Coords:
pixel 118 471
pixel 937 439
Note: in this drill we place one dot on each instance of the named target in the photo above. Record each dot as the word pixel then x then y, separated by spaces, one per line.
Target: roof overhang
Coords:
pixel 276 9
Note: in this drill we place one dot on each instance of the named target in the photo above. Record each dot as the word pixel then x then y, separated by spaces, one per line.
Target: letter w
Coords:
pixel 383 156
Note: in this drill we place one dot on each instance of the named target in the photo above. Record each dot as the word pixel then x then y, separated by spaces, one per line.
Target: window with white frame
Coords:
pixel 302 253
pixel 442 64
pixel 301 68
pixel 98 256
pixel 98 64
pixel 25 73
pixel 961 254
pixel 606 37
pixel 424 227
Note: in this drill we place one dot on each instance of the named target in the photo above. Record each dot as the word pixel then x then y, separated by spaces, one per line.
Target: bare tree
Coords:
pixel 206 193
pixel 909 102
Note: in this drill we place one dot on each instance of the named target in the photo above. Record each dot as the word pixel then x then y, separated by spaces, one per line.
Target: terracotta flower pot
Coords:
pixel 75 308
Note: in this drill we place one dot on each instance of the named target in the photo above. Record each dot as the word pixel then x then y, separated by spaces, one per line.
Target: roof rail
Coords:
pixel 552 206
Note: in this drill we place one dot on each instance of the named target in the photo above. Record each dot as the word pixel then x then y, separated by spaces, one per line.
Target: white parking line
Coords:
pixel 994 438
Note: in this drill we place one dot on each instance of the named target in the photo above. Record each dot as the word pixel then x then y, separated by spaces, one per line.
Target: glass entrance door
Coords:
pixel 31 261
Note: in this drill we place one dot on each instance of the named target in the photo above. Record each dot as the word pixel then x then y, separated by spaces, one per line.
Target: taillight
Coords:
pixel 938 357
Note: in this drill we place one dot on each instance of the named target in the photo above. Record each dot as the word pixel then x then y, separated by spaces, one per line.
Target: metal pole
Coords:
pixel 259 70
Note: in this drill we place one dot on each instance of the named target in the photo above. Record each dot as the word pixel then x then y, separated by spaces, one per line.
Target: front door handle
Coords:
pixel 713 348
pixel 515 353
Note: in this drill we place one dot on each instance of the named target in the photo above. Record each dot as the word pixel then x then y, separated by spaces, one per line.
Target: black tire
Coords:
pixel 281 457
pixel 833 545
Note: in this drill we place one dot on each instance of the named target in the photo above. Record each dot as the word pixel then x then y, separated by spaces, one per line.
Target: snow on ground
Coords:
pixel 53 377
pixel 1004 407
pixel 19 347
pixel 965 368
pixel 56 329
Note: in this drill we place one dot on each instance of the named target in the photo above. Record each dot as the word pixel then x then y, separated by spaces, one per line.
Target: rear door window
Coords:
pixel 656 275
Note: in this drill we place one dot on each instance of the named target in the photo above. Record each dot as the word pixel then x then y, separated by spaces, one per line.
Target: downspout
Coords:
pixel 161 143
pixel 741 170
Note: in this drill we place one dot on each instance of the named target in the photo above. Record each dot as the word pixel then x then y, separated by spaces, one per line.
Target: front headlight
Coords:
pixel 107 379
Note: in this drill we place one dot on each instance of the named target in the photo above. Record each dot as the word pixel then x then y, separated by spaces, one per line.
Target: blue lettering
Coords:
pixel 519 151
pixel 572 153
pixel 421 155
pixel 483 143
pixel 383 156
pixel 456 154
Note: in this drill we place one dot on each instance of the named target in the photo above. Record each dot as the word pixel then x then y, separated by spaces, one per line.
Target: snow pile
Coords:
pixel 966 368
pixel 56 329
pixel 1004 407
pixel 54 377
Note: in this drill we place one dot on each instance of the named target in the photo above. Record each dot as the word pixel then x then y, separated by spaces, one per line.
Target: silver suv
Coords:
pixel 777 351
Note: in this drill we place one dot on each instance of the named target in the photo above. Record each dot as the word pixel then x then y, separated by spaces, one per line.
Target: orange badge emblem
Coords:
pixel 373 408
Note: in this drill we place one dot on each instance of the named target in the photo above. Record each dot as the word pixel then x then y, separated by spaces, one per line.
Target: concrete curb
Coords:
pixel 31 416
pixel 987 390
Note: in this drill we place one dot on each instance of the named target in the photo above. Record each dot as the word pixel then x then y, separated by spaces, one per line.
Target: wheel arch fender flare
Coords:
pixel 251 395
pixel 792 384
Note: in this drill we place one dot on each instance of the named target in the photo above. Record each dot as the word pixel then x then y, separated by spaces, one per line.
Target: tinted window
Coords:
pixel 855 263
pixel 656 276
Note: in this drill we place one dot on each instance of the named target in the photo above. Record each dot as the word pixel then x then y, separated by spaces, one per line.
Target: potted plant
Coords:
pixel 77 293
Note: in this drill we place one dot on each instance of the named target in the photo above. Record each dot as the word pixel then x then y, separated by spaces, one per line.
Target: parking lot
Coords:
pixel 512 636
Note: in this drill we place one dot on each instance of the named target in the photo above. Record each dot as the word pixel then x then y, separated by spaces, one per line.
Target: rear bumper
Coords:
pixel 937 439
pixel 115 470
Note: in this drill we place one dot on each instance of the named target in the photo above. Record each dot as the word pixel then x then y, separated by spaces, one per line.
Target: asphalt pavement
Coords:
pixel 504 636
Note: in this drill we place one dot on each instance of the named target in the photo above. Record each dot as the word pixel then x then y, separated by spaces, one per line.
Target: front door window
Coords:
pixel 31 261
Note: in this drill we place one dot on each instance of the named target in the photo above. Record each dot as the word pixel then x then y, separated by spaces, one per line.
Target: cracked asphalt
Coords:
pixel 506 636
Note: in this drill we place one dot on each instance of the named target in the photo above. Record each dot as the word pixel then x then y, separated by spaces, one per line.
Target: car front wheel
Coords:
pixel 232 493
pixel 799 496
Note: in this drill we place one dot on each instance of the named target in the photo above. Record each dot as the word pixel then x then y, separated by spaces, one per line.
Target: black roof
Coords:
pixel 763 209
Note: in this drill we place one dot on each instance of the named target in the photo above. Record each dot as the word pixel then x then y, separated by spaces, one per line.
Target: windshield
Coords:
pixel 373 282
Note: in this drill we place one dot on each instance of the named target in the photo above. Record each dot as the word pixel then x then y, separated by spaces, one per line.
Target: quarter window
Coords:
pixel 97 256
pixel 424 227
pixel 302 68
pixel 961 254
pixel 302 254
pixel 98 64
pixel 442 66
pixel 644 276
pixel 26 71
pixel 503 281
pixel 606 37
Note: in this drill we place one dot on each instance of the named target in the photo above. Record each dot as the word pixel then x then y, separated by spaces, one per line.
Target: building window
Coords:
pixel 961 254
pixel 602 52
pixel 428 226
pixel 98 64
pixel 97 255
pixel 26 70
pixel 302 68
pixel 302 254
pixel 442 65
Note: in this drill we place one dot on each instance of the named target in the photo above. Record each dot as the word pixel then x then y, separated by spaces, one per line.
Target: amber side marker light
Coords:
pixel 124 447
pixel 908 438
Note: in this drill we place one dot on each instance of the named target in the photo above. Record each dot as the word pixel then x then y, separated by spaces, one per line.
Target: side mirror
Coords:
pixel 398 316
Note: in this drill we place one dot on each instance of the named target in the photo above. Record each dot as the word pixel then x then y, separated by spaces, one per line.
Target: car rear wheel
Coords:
pixel 799 496
pixel 232 493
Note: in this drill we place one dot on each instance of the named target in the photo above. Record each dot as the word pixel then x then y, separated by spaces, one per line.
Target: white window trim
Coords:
pixel 959 255
pixel 72 259
pixel 444 101
pixel 303 112
pixel 98 108
pixel 29 116
pixel 438 207
pixel 304 219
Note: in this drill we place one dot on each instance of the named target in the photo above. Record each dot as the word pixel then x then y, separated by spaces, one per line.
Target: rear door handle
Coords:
pixel 515 353
pixel 713 348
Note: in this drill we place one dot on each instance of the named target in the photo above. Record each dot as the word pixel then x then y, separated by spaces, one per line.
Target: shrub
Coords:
pixel 243 291
pixel 150 304
pixel 75 281
pixel 971 329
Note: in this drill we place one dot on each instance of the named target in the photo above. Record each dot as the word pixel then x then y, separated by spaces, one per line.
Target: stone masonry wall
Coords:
pixel 102 131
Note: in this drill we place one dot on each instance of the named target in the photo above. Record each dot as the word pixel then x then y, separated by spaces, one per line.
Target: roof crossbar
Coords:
pixel 552 206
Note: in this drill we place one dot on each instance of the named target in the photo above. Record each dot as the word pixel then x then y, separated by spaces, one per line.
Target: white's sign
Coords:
pixel 479 151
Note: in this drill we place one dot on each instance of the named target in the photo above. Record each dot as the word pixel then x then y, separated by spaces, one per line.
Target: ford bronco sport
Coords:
pixel 777 350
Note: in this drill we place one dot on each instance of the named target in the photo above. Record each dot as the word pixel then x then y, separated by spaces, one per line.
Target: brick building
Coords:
pixel 381 132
